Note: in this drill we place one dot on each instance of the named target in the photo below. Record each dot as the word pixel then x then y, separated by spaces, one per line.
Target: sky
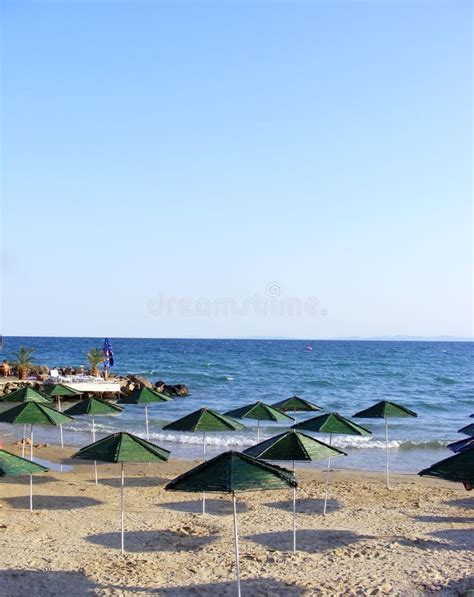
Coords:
pixel 236 169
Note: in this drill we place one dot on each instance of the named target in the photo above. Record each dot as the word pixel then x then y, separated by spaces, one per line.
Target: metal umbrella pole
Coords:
pixel 31 493
pixel 24 441
pixel 387 479
pixel 236 543
pixel 326 490
pixel 204 458
pixel 122 515
pixel 60 426
pixel 146 424
pixel 95 461
pixel 294 513
pixel 258 430
pixel 31 442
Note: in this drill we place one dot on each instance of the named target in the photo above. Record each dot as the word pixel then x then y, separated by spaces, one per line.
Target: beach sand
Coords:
pixel 416 539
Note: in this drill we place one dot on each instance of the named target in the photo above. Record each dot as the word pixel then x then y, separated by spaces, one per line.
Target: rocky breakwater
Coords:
pixel 131 382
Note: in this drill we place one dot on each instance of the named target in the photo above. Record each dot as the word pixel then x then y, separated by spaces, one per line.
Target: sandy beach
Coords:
pixel 416 539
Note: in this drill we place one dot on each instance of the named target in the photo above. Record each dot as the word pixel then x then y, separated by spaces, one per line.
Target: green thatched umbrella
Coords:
pixel 26 394
pixel 383 410
pixel 260 412
pixel 122 447
pixel 93 407
pixel 204 420
pixel 296 404
pixel 333 424
pixel 467 430
pixel 59 390
pixel 33 413
pixel 14 466
pixel 463 444
pixel 458 468
pixel 230 472
pixel 293 445
pixel 144 396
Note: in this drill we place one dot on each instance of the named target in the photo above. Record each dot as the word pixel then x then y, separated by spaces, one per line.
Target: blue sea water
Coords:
pixel 435 379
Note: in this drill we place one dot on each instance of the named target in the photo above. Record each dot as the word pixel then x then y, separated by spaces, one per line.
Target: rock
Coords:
pixel 140 381
pixel 178 389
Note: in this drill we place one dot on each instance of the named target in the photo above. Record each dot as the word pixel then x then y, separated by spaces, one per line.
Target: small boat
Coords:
pixel 309 348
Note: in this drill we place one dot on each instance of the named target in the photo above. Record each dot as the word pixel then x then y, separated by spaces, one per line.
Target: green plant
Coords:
pixel 94 356
pixel 24 360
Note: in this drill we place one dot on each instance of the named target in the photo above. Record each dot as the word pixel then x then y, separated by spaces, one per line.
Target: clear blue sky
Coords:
pixel 159 151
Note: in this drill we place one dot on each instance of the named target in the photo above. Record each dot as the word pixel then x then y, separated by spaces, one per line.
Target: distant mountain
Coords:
pixel 409 338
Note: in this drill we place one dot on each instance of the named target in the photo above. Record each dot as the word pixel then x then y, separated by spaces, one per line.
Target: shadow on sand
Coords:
pixel 308 540
pixel 146 541
pixel 448 539
pixel 134 481
pixel 45 582
pixel 25 480
pixel 213 506
pixel 307 505
pixel 52 502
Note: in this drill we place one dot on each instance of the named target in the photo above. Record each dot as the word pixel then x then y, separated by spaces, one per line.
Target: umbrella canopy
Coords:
pixel 332 423
pixel 467 430
pixel 144 396
pixel 61 390
pixel 26 394
pixel 385 409
pixel 458 468
pixel 12 465
pixel 204 420
pixel 230 472
pixel 293 445
pixel 233 471
pixel 34 413
pixel 461 445
pixel 296 404
pixel 93 406
pixel 260 411
pixel 122 447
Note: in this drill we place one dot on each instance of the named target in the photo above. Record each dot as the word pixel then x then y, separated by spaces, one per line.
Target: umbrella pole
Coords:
pixel 326 490
pixel 60 427
pixel 31 493
pixel 204 458
pixel 294 513
pixel 146 424
pixel 122 517
pixel 31 443
pixel 236 543
pixel 387 479
pixel 294 519
pixel 258 430
pixel 95 461
pixel 23 443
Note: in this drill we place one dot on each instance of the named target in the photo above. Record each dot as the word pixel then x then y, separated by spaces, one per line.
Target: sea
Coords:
pixel 434 379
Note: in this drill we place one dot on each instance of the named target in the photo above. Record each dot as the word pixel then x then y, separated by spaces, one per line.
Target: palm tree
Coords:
pixel 94 356
pixel 24 360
